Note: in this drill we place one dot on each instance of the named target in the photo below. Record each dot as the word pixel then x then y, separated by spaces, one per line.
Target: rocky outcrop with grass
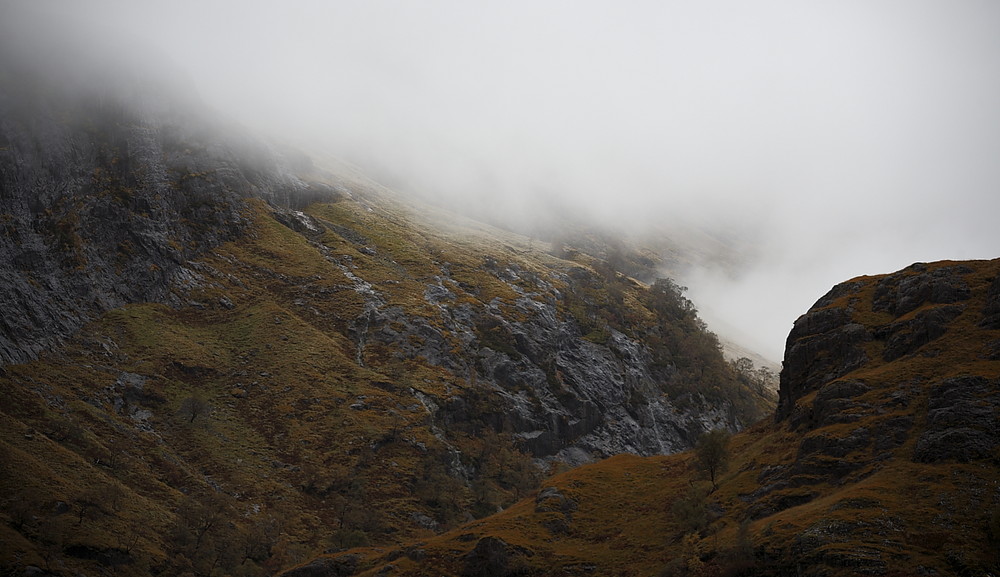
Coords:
pixel 884 459
pixel 106 199
pixel 216 358
pixel 907 311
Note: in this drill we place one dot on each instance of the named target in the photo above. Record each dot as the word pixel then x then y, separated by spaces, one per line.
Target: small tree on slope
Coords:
pixel 712 454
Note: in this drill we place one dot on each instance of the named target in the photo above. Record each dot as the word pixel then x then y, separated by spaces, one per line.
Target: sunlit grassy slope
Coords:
pixel 253 427
pixel 845 495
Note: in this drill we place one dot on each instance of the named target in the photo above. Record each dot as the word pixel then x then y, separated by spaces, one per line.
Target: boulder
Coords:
pixel 494 557
pixel 341 566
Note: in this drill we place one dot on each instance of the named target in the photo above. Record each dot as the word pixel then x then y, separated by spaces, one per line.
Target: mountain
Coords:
pixel 883 458
pixel 218 358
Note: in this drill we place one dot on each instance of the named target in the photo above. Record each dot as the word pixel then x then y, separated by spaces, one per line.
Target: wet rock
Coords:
pixel 109 208
pixel 823 345
pixel 550 499
pixel 905 291
pixel 832 446
pixel 961 423
pixel 991 310
pixel 299 221
pixel 905 337
pixel 813 547
pixel 436 294
pixel 421 520
pixel 562 396
pixel 835 403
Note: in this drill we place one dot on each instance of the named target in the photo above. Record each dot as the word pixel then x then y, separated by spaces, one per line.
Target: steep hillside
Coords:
pixel 219 360
pixel 104 199
pixel 883 459
pixel 320 383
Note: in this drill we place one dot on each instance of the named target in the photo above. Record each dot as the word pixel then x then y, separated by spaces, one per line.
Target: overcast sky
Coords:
pixel 856 137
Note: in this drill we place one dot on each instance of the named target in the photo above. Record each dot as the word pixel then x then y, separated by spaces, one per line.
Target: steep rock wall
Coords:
pixel 102 202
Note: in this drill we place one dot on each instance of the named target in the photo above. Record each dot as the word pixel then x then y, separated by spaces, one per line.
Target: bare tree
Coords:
pixel 193 407
pixel 128 536
pixel 201 516
pixel 258 538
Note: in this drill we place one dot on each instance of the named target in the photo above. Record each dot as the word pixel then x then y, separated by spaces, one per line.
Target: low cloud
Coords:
pixel 840 139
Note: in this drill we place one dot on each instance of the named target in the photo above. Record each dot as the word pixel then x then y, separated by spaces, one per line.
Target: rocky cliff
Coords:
pixel 833 339
pixel 883 459
pixel 104 199
pixel 199 327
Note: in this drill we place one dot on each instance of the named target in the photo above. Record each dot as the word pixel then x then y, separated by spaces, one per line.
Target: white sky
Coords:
pixel 856 136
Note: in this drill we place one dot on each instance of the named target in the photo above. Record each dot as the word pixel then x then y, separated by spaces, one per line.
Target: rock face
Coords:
pixel 365 369
pixel 103 202
pixel 961 421
pixel 927 321
pixel 863 323
pixel 884 459
pixel 823 344
pixel 562 395
pixel 104 206
pixel 828 342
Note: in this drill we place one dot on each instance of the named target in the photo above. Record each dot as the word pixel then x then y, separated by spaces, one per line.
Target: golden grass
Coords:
pixel 896 512
pixel 278 369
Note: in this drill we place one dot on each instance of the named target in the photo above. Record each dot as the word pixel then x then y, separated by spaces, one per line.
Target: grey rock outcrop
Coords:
pixel 962 417
pixel 563 396
pixel 103 202
pixel 827 343
pixel 106 202
pixel 893 328
pixel 822 345
pixel 991 311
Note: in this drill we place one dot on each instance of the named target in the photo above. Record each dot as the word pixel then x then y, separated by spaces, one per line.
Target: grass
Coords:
pixel 894 513
pixel 300 432
pixel 297 430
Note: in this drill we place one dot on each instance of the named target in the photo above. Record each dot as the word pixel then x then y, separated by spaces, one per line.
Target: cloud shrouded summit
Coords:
pixel 849 137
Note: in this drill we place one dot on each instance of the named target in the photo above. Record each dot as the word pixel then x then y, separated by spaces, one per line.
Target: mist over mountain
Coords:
pixel 220 358
pixel 383 287
pixel 833 140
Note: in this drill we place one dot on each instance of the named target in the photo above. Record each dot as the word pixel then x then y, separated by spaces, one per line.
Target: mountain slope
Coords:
pixel 104 199
pixel 218 359
pixel 883 459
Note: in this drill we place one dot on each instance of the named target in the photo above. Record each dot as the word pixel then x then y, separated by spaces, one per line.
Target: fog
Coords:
pixel 836 138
